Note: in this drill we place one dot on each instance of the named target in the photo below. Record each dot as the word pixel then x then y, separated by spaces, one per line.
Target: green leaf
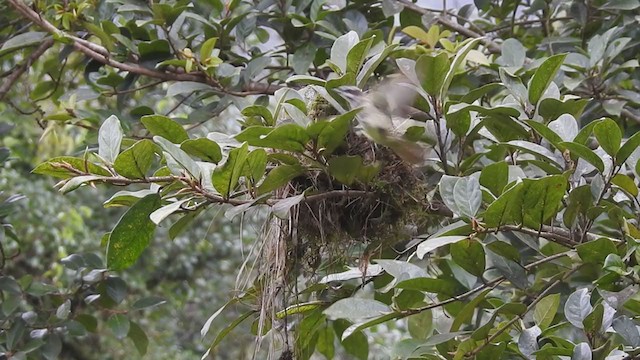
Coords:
pixel 290 137
pixel 457 61
pixel 593 322
pixel 282 207
pixel 254 168
pixel 372 64
pixel 628 148
pixel 534 149
pixel 541 199
pixel 543 77
pixel 345 168
pixel 341 48
pixel 594 252
pixel 477 93
pixel 181 158
pixel 259 111
pixel 132 234
pixel 355 309
pixel 203 148
pixel 75 182
pixel 626 328
pixel 22 40
pixel 148 302
pixel 224 332
pixel 420 325
pixel 120 325
pixel 332 135
pixel 609 136
pixel 551 109
pixel 416 33
pixel 513 53
pixel 584 153
pixel 495 177
pixel 429 245
pixel 545 310
pixel 507 209
pixel 468 196
pixel 513 271
pixel 139 338
pixel 467 311
pixel 621 5
pixel 225 178
pixel 163 212
pixel 458 122
pixel 469 255
pixel 445 287
pixel 159 125
pixel 109 138
pixel 579 202
pixel 578 307
pixel 325 344
pixel 445 188
pixel 626 183
pixel 278 177
pixel 431 71
pixel 207 47
pixel 356 344
pixel 514 84
pixel 545 132
pixel 357 54
pixel 135 161
pixel 126 198
pixel 51 167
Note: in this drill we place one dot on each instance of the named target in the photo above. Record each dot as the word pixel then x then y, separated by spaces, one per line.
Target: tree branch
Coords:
pixel 491 45
pixel 100 54
pixel 488 285
pixel 15 75
pixel 544 293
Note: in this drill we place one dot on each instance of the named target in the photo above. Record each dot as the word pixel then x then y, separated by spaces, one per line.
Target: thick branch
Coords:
pixel 100 54
pixel 491 45
pixel 15 75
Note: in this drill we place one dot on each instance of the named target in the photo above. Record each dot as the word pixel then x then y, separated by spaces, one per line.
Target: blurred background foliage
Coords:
pixel 53 243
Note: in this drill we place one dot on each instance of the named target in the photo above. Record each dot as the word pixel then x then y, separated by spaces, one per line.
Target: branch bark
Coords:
pixel 100 54
pixel 15 75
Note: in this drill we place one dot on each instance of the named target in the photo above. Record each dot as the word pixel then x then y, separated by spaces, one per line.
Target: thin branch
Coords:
pixel 15 75
pixel 527 22
pixel 488 285
pixel 630 115
pixel 141 87
pixel 491 45
pixel 100 54
pixel 521 316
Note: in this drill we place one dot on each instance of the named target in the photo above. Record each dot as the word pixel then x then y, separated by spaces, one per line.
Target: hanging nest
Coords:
pixel 328 229
pixel 323 236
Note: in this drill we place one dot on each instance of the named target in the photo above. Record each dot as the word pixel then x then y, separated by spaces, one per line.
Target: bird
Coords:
pixel 385 115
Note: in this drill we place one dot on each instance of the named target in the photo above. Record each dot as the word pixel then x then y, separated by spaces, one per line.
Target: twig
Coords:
pixel 491 45
pixel 101 55
pixel 15 75
pixel 141 87
pixel 488 285
pixel 544 293
pixel 527 22
pixel 630 115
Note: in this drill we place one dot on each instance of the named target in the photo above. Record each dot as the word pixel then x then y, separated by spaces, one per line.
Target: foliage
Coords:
pixel 471 174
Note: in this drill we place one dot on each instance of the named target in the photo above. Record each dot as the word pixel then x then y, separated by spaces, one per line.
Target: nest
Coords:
pixel 323 236
pixel 357 227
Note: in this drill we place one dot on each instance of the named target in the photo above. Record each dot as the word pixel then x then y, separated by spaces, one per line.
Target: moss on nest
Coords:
pixel 329 229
